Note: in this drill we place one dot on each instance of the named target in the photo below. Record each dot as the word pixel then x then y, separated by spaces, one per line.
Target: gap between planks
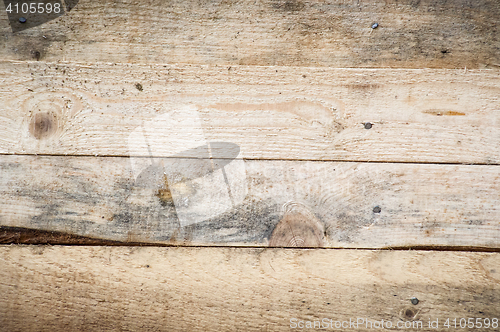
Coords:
pixel 262 159
pixel 35 237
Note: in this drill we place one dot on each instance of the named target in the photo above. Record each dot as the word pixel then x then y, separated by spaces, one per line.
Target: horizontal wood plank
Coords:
pixel 227 289
pixel 292 113
pixel 258 203
pixel 410 34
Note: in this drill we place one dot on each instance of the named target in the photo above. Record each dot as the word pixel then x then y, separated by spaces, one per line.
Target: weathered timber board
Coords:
pixel 332 204
pixel 228 289
pixel 411 34
pixel 440 116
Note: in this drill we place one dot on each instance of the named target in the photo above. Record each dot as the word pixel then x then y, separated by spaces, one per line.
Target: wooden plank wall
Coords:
pixel 155 150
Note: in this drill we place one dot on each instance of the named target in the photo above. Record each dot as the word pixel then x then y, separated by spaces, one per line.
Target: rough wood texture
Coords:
pixel 411 34
pixel 441 116
pixel 352 204
pixel 109 90
pixel 214 289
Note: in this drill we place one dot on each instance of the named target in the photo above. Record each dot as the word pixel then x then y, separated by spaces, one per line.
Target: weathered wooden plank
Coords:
pixel 330 204
pixel 228 289
pixel 441 116
pixel 411 34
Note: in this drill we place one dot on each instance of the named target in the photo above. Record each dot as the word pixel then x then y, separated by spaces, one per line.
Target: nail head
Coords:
pixel 368 125
pixel 374 25
pixel 414 301
pixel 22 19
pixel 377 209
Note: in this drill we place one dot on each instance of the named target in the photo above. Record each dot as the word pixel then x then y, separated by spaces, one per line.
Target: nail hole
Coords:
pixel 138 86
pixel 409 313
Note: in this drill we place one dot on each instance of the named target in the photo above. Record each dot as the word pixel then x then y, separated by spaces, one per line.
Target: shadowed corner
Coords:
pixel 21 235
pixel 25 15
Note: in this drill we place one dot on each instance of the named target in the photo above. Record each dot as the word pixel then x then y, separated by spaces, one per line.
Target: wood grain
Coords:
pixel 411 34
pixel 354 205
pixel 226 289
pixel 292 113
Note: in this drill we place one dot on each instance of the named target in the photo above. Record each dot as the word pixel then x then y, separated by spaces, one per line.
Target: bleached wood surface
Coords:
pixel 438 116
pixel 227 289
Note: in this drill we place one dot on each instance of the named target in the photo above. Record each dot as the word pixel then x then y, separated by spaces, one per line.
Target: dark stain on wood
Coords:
pixel 20 235
pixel 363 86
pixel 474 222
pixel 251 221
pixel 122 218
pixel 347 226
pixel 288 6
pixel 36 55
pixel 443 248
pixel 36 41
pixel 165 195
pixel 43 125
pixel 444 112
